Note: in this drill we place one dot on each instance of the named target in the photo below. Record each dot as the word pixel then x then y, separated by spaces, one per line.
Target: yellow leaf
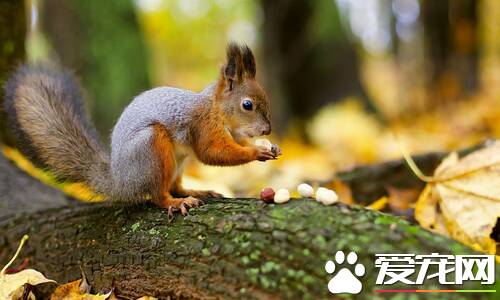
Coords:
pixel 379 204
pixel 462 199
pixel 12 285
pixel 78 290
pixel 77 190
pixel 427 212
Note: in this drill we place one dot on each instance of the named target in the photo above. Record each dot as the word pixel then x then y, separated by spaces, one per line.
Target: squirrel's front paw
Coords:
pixel 264 154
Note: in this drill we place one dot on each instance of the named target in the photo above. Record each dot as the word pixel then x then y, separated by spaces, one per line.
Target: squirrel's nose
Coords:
pixel 267 130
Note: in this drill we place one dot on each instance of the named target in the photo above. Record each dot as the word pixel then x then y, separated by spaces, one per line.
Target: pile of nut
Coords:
pixel 323 195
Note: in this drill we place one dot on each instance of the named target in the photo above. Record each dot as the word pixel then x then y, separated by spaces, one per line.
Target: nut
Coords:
pixel 305 190
pixel 326 196
pixel 282 196
pixel 265 143
pixel 267 195
pixel 320 192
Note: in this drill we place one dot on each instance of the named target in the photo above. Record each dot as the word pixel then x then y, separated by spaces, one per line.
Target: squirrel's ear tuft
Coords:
pixel 248 61
pixel 239 62
pixel 233 69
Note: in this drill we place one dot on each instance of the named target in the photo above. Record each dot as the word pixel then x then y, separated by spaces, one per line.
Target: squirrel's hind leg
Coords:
pixel 164 151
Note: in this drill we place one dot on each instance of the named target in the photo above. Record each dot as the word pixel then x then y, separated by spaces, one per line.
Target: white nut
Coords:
pixel 263 143
pixel 282 196
pixel 305 190
pixel 328 197
pixel 320 192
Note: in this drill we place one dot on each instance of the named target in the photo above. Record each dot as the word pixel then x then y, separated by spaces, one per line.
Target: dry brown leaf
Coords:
pixel 401 199
pixel 72 290
pixel 78 290
pixel 12 285
pixel 462 200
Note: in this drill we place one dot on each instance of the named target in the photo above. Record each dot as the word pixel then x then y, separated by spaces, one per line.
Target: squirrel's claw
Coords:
pixel 184 210
pixel 170 214
pixel 179 204
pixel 264 154
pixel 193 202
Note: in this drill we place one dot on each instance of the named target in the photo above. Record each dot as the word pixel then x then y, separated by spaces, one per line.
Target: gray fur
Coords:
pixel 131 140
pixel 169 106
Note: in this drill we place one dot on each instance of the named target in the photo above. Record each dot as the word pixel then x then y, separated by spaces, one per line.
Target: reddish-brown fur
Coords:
pixel 164 151
pixel 213 145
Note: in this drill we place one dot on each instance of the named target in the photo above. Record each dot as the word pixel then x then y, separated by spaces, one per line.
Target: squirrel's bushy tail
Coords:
pixel 46 110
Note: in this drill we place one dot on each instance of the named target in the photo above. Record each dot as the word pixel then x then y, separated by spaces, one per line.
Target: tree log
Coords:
pixel 231 249
pixel 21 193
pixel 369 183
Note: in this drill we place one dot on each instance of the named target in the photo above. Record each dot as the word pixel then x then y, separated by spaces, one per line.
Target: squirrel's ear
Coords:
pixel 240 61
pixel 233 69
pixel 249 61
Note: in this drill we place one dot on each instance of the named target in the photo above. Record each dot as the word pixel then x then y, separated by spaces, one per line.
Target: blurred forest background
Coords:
pixel 342 75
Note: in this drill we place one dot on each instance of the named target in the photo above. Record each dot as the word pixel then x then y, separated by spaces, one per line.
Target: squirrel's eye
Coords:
pixel 247 104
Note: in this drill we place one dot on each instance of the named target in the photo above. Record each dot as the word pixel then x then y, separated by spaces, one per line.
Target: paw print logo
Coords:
pixel 345 281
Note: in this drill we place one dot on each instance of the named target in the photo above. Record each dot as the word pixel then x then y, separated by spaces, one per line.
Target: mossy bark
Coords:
pixel 231 249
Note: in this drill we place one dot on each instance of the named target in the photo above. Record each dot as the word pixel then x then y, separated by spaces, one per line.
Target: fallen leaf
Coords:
pixel 379 204
pixel 427 210
pixel 70 290
pixel 12 285
pixel 79 290
pixel 401 199
pixel 462 199
pixel 74 189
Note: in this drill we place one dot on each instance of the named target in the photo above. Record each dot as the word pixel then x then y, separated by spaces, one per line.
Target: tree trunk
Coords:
pixel 308 59
pixel 451 29
pixel 232 249
pixel 12 35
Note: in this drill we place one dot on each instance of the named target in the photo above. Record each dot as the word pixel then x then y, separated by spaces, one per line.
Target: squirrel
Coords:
pixel 153 137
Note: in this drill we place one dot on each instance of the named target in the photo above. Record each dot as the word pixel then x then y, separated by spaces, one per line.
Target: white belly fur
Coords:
pixel 182 153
